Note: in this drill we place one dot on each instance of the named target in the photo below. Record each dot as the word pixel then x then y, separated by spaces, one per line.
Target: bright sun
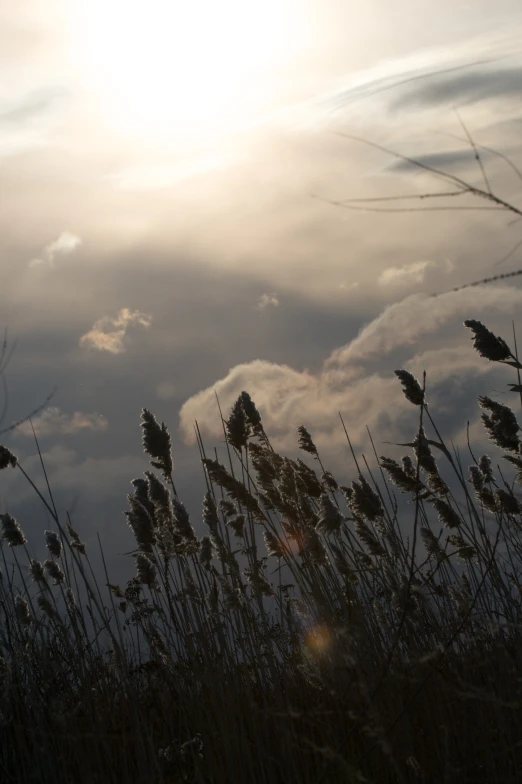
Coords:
pixel 189 67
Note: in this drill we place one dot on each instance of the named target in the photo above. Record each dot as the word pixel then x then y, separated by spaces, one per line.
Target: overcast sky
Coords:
pixel 167 230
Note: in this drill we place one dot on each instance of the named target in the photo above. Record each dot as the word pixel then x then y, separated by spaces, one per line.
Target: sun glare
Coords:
pixel 193 67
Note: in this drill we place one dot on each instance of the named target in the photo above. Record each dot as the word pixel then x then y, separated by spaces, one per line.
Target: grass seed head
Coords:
pixel 157 443
pixel 305 441
pixel 11 531
pixel 237 426
pixel 411 387
pixel 7 458
pixel 53 543
pixel 145 570
pixel 501 424
pixel 36 570
pixel 22 611
pixel 54 571
pixel 487 344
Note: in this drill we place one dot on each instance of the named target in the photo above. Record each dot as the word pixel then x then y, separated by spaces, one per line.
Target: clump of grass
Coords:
pixel 295 634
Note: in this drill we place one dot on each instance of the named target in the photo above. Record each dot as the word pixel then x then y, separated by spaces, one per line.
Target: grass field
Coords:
pixel 302 638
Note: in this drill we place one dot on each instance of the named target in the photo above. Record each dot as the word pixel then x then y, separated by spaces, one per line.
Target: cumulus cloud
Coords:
pixel 287 398
pixel 52 421
pixel 64 245
pixel 268 300
pixel 102 338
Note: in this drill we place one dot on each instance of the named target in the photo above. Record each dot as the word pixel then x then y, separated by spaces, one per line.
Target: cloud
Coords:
pixel 31 106
pixel 52 421
pixel 112 341
pixel 268 300
pixel 405 275
pixel 287 398
pixel 64 245
pixel 485 82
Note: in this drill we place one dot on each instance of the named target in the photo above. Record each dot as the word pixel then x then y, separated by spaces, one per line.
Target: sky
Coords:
pixel 170 228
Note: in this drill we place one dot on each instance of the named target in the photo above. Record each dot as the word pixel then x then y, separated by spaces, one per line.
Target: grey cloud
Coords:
pixel 53 422
pixel 465 88
pixel 437 160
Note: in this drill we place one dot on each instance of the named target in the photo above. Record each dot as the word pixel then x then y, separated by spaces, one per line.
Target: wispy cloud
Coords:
pixel 64 245
pixel 102 338
pixel 53 421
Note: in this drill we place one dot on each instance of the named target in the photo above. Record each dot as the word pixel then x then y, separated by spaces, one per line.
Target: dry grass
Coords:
pixel 301 638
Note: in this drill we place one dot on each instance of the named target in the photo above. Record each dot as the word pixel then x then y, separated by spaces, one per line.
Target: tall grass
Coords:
pixel 301 638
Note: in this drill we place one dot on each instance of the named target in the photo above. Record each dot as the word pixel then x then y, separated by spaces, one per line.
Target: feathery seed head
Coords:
pixel 11 531
pixel 7 458
pixel 489 346
pixel 409 466
pixel 476 477
pixel 54 571
pixel 423 452
pixel 402 479
pixel 238 428
pixel 330 518
pixel 227 507
pixel 182 521
pixel 45 605
pixel 365 502
pixel 309 479
pixel 53 543
pixel 205 553
pixel 501 424
pixel 141 524
pixel 274 546
pixel 69 598
pixel 157 443
pixel 305 441
pixel 411 387
pixel 506 502
pixel 75 539
pixel 447 515
pixel 145 570
pixel 330 481
pixel 485 466
pixel 36 571
pixel 237 524
pixel 210 516
pixel 431 543
pixel 371 542
pixel 252 414
pixel 22 611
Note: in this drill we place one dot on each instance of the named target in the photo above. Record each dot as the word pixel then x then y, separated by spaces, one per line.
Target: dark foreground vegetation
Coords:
pixel 302 638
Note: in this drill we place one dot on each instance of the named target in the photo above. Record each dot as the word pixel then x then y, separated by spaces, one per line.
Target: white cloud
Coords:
pixel 287 398
pixel 405 275
pixel 268 300
pixel 52 421
pixel 64 245
pixel 112 341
